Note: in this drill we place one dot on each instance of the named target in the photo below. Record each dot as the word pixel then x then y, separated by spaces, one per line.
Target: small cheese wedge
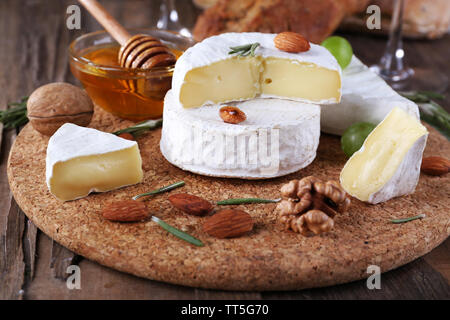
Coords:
pixel 388 163
pixel 82 160
pixel 207 74
pixel 365 97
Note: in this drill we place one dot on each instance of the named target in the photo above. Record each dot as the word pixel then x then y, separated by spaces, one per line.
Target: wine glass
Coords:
pixel 392 68
pixel 169 19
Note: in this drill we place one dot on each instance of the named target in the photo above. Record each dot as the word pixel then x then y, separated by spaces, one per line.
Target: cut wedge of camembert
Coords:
pixel 365 97
pixel 279 137
pixel 388 163
pixel 82 160
pixel 207 74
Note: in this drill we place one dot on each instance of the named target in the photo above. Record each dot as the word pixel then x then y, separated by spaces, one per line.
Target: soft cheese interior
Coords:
pixel 245 78
pixel 388 163
pixel 207 74
pixel 82 160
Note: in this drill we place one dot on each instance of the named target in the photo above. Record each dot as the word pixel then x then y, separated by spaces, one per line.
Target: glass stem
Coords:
pixel 391 65
pixel 169 18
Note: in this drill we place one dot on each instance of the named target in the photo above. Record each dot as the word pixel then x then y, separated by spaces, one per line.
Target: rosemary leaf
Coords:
pixel 422 96
pixel 246 201
pixel 244 50
pixel 160 190
pixel 15 116
pixel 178 233
pixel 419 216
pixel 253 48
pixel 430 111
pixel 141 127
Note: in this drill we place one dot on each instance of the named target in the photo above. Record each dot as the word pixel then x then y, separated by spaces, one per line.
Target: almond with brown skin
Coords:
pixel 291 42
pixel 233 115
pixel 125 211
pixel 435 166
pixel 228 223
pixel 191 204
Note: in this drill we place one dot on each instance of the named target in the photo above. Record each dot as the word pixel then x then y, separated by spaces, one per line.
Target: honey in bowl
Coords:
pixel 133 94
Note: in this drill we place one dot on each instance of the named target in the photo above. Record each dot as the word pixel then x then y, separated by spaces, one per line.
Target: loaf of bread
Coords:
pixel 317 19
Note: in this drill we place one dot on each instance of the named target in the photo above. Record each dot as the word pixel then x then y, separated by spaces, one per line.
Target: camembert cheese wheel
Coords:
pixel 277 138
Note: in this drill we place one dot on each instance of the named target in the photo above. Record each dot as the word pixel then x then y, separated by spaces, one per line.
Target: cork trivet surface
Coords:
pixel 269 258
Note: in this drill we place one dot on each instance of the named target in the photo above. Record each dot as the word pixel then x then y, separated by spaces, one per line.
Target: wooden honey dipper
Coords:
pixel 138 51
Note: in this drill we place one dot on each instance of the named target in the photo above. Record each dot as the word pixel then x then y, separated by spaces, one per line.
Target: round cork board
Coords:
pixel 269 258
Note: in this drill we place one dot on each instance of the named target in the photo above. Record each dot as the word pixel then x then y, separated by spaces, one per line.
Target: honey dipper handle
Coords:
pixel 107 21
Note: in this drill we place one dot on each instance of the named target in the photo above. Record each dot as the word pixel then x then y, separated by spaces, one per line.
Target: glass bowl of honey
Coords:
pixel 133 94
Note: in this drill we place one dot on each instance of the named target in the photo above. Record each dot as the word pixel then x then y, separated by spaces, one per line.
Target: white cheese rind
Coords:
pixel 197 140
pixel 365 98
pixel 216 48
pixel 71 141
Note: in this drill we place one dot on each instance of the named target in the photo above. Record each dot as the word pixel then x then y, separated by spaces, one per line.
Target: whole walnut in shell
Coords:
pixel 54 104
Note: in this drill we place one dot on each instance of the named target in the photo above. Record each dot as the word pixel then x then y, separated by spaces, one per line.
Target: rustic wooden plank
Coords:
pixel 12 266
pixel 11 282
pixel 97 282
pixel 61 259
pixel 439 259
pixel 416 280
pixel 12 270
pixel 203 294
pixel 29 244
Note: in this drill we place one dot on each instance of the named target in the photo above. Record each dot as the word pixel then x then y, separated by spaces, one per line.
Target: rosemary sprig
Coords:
pixel 245 50
pixel 419 216
pixel 16 116
pixel 430 111
pixel 178 233
pixel 246 201
pixel 141 127
pixel 421 96
pixel 160 190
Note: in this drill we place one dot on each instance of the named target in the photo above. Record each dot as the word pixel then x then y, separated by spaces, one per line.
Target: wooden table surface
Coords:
pixel 33 51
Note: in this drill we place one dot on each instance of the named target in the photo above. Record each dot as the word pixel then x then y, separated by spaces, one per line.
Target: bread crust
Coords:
pixel 314 19
pixel 317 19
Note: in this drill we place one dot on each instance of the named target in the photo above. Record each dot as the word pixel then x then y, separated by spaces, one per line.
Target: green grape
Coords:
pixel 340 48
pixel 353 138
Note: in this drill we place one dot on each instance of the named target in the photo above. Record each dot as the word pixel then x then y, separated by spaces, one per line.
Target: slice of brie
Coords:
pixel 279 137
pixel 365 97
pixel 388 163
pixel 82 160
pixel 207 74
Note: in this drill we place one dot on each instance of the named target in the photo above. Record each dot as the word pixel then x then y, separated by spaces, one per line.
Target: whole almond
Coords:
pixel 435 166
pixel 233 115
pixel 228 223
pixel 125 211
pixel 191 204
pixel 291 42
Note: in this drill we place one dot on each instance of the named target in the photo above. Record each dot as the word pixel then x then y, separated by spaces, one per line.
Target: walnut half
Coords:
pixel 309 205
